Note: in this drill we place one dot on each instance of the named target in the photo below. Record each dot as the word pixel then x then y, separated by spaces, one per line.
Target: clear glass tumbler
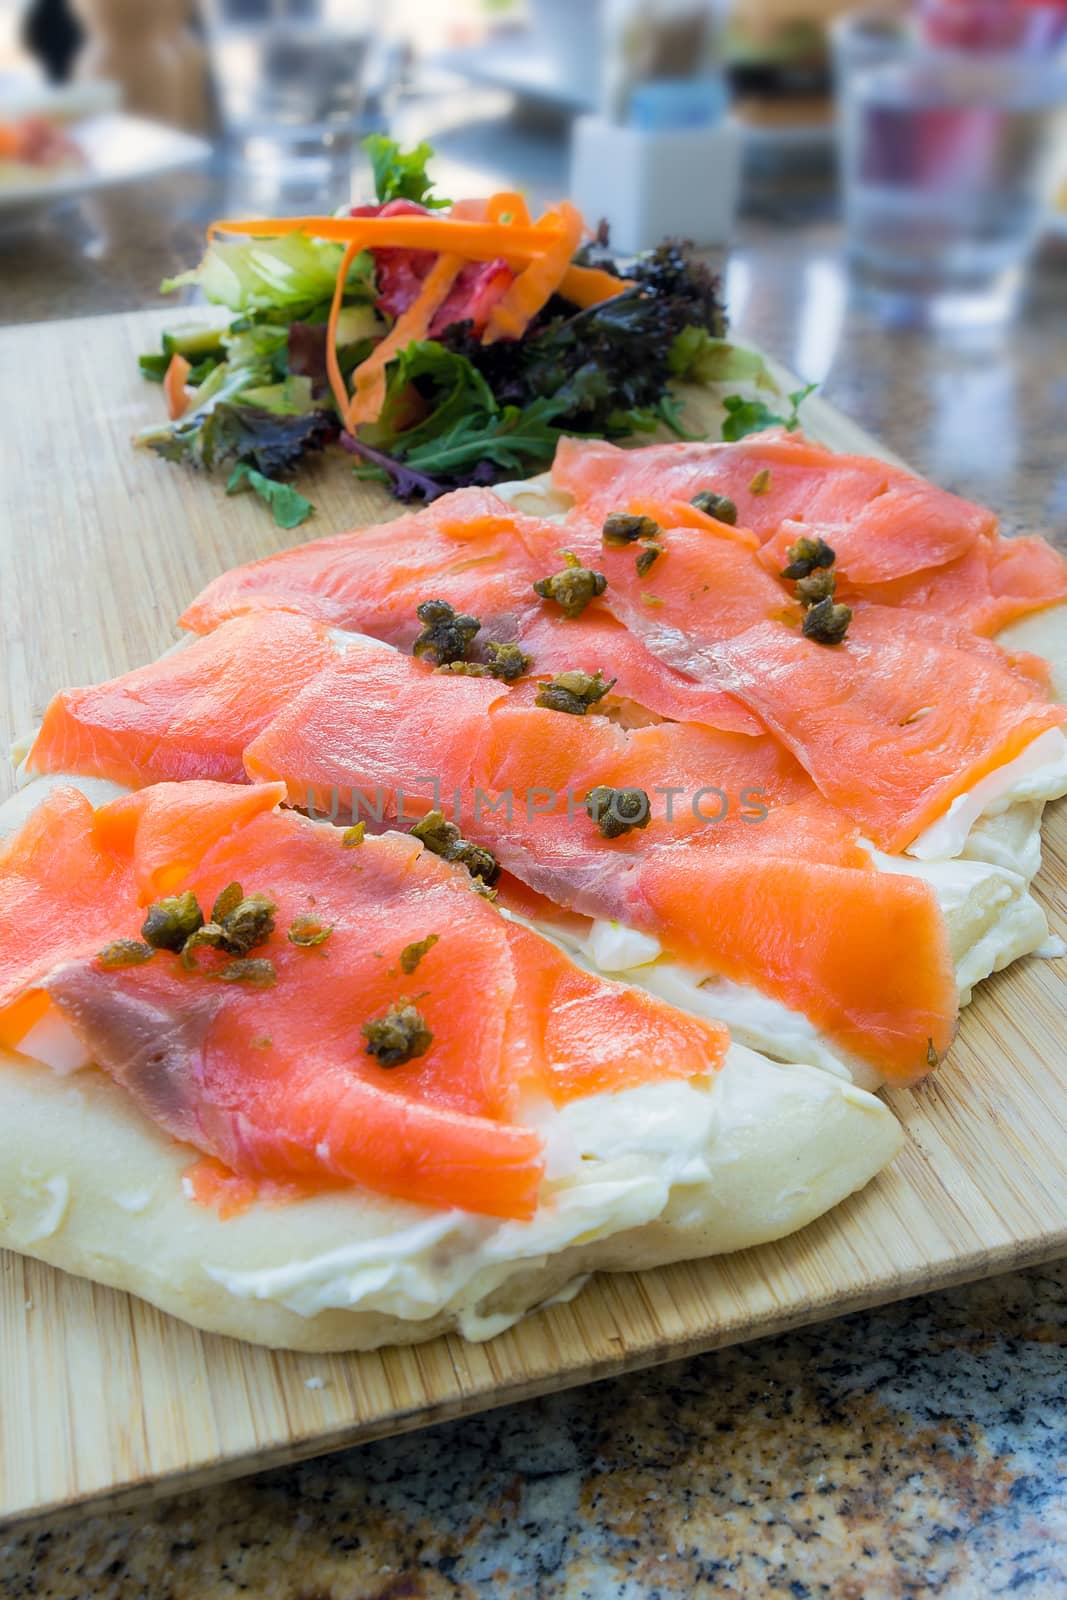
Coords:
pixel 290 75
pixel 948 159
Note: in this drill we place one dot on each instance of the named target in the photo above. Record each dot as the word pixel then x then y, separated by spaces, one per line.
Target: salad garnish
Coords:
pixel 398 1036
pixel 622 528
pixel 617 811
pixel 444 839
pixel 573 588
pixel 574 692
pixel 752 416
pixel 447 634
pixel 442 343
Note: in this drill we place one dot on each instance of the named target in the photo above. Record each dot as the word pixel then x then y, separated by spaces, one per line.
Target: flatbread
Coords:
pixel 89 1185
pixel 670 1171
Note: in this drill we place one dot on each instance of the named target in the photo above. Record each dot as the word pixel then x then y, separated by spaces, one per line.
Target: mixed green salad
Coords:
pixel 462 403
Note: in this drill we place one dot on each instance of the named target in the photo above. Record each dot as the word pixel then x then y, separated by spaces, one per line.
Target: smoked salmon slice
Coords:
pixel 367 580
pixel 386 738
pixel 274 1079
pixel 994 583
pixel 884 523
pixel 865 957
pixel 187 715
pixel 705 585
pixel 598 642
pixel 515 777
pixel 70 872
pixel 473 550
pixel 895 722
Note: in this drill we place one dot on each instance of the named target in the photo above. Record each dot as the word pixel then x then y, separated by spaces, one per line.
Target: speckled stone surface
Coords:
pixel 916 1451
pixel 911 1452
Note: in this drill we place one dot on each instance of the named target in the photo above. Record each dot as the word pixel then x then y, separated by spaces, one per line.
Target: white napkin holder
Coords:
pixel 655 184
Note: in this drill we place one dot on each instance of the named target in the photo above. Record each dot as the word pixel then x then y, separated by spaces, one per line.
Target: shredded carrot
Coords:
pixel 413 324
pixel 583 286
pixel 475 230
pixel 589 286
pixel 174 381
pixel 535 285
pixel 477 241
pixel 508 207
pixel 333 366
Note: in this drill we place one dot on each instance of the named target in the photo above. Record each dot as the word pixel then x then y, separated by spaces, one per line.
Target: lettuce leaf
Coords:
pixel 226 431
pixel 699 358
pixel 290 398
pixel 448 388
pixel 290 507
pixel 400 174
pixel 289 276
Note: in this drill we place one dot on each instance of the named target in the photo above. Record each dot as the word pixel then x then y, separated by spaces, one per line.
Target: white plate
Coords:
pixel 117 149
pixel 25 93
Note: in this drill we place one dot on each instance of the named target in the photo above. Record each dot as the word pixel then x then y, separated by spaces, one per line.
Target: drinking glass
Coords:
pixel 289 75
pixel 948 161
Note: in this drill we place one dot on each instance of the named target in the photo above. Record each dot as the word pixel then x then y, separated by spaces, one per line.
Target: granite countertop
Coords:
pixel 910 1452
pixel 914 1451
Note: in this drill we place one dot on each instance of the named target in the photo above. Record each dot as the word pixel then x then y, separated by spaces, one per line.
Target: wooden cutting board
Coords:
pixel 103 1398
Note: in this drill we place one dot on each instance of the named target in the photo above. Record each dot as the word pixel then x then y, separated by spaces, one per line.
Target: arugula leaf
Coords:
pixel 639 419
pixel 479 447
pixel 752 416
pixel 671 413
pixel 514 439
pixel 434 385
pixel 647 419
pixel 796 400
pixel 399 174
pixel 746 416
pixel 289 506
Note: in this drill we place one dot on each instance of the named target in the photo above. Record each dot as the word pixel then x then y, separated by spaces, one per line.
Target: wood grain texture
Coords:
pixel 104 1398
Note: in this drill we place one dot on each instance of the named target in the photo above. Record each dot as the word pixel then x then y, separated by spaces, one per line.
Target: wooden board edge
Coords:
pixel 888 1291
